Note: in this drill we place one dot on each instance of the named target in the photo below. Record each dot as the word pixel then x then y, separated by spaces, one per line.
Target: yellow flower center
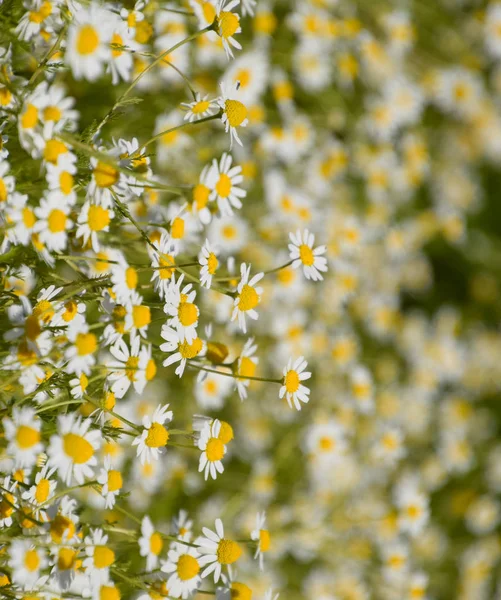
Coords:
pixel 187 313
pixel 109 592
pixel 31 560
pixel 32 328
pixel 191 350
pixel 42 491
pixel 228 552
pixel 248 299
pixel 291 382
pixel 4 580
pixel 3 191
pixel 200 107
pixel 98 217
pixel 306 255
pixel 326 443
pixel 141 315
pixel 28 217
pixel 30 117
pixel 156 543
pixel 215 449
pixel 226 432
pixel 103 557
pixel 105 175
pixel 27 437
pixel 52 113
pixel 151 370
pixel 5 506
pixel 131 278
pixel 236 112
pixel 117 39
pixel 187 567
pixel 131 367
pixel 66 182
pixel 201 195
pixel 5 96
pixel 53 149
pixel 240 591
pixel 44 311
pixel 66 559
pixel 228 24
pixel 223 186
pixel 77 448
pixel 209 11
pixel 177 228
pixel 157 437
pixel 86 343
pixel 56 221
pixel 115 481
pixel 264 540
pixel 87 40
pixel 165 261
pixel 59 526
pixel 247 367
pixel 229 232
pixel 212 263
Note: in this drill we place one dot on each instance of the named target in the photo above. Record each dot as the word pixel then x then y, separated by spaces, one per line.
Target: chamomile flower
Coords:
pixel 41 492
pixel 228 24
pixel 8 501
pixel 125 280
pixel 127 369
pixel 121 61
pixel 111 481
pixel 73 449
pixel 53 223
pixel 26 561
pixel 246 367
pixel 213 450
pixel 181 351
pixel 224 181
pixel 217 551
pixel 22 432
pixel 248 297
pixel 138 316
pixel 234 113
pixel 183 312
pixel 200 108
pixel 293 390
pixel 93 219
pixel 89 37
pixel 303 254
pixel 162 261
pixel 150 544
pixel 209 263
pixel 154 437
pixel 183 568
pixel 200 196
pixel 261 536
pixel 100 557
pixel 81 354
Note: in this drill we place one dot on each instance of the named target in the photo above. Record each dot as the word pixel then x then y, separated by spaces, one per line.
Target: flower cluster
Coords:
pixel 248 281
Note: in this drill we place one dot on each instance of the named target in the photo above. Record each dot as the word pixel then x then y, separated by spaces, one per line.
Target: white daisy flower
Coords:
pixel 121 61
pixel 81 354
pixel 209 263
pixel 152 441
pixel 150 544
pixel 216 551
pixel 40 493
pixel 213 449
pixel 183 569
pixel 111 482
pixel 73 449
pixel 234 113
pixel 224 181
pixel 53 223
pixel 88 47
pixel 228 24
pixel 8 502
pixel 180 306
pixel 261 536
pixel 201 196
pixel 26 561
pixel 181 351
pixel 93 219
pixel 248 297
pixel 200 108
pixel 22 432
pixel 130 370
pixel 246 367
pixel 100 557
pixel 292 388
pixel 125 281
pixel 303 254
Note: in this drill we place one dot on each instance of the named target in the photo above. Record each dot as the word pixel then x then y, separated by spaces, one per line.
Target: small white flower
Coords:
pixel 303 254
pixel 154 437
pixel 292 388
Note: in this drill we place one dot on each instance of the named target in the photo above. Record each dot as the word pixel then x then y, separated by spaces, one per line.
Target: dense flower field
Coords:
pixel 250 264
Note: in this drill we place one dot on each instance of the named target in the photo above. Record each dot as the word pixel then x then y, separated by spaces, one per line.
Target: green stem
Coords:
pixel 195 366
